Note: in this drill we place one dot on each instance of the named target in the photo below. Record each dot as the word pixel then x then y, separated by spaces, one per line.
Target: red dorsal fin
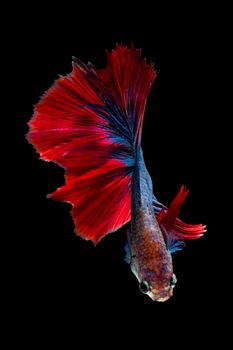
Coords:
pixel 174 209
pixel 172 225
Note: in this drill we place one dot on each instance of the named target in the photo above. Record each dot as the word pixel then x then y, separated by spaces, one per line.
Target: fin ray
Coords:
pixel 89 122
pixel 176 230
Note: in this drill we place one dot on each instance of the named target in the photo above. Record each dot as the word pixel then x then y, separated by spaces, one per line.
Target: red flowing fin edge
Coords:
pixel 174 227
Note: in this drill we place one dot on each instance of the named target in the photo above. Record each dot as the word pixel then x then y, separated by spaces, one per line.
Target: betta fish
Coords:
pixel 90 123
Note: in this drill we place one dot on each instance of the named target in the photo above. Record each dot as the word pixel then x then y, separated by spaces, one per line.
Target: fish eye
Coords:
pixel 144 286
pixel 173 280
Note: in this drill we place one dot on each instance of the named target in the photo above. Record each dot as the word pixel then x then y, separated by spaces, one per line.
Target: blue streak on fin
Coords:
pixel 128 253
pixel 175 246
pixel 157 205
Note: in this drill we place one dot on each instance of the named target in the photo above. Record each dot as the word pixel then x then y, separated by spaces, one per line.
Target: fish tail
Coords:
pixel 90 123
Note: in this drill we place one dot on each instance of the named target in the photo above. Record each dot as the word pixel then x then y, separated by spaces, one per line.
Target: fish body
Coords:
pixel 151 261
pixel 90 123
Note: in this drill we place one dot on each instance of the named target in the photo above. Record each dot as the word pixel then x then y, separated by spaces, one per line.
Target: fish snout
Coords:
pixel 162 295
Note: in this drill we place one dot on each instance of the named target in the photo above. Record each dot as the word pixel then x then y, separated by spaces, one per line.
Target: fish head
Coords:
pixel 156 277
pixel 158 291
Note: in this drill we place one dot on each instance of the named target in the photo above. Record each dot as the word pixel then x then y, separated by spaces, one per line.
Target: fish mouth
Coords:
pixel 161 297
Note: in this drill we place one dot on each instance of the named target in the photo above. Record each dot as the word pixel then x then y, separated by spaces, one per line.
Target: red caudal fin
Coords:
pixel 129 78
pixel 174 228
pixel 89 122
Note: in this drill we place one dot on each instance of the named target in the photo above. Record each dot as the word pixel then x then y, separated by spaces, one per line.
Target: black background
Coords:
pixel 58 281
